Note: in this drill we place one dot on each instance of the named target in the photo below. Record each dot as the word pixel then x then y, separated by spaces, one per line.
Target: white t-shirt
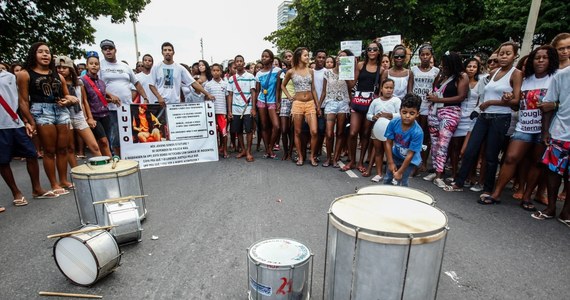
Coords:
pixel 319 76
pixel 388 106
pixel 145 80
pixel 9 92
pixel 533 91
pixel 118 78
pixel 423 85
pixel 168 79
pixel 219 91
pixel 559 90
pixel 246 83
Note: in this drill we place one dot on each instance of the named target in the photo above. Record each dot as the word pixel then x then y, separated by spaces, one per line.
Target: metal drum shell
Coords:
pixel 123 215
pixel 101 182
pixel 366 263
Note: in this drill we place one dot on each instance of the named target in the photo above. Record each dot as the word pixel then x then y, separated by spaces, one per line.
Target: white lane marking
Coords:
pixel 350 173
pixel 453 277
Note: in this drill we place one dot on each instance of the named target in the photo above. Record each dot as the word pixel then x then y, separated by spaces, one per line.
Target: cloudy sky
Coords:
pixel 227 27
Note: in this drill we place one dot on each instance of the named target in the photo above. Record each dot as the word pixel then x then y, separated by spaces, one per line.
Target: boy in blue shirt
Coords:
pixel 404 142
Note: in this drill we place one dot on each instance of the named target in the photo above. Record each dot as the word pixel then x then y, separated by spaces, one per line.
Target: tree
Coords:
pixel 64 25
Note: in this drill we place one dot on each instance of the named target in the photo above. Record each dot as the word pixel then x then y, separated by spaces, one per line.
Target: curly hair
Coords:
pixel 552 61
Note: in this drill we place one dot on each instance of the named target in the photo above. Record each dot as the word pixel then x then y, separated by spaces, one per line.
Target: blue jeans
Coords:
pixel 389 175
pixel 490 129
pixel 113 130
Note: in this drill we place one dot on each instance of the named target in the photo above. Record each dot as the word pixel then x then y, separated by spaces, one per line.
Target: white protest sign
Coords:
pixel 354 46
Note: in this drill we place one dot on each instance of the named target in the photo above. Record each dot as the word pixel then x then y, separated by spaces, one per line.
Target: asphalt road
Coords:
pixel 206 215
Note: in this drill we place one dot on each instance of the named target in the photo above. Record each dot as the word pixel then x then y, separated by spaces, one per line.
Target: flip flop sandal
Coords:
pixel 47 195
pixel 541 216
pixel 326 164
pixel 2 209
pixel 565 222
pixel 528 206
pixel 69 187
pixel 450 188
pixel 345 168
pixel 517 196
pixel 20 202
pixel 299 163
pixel 61 191
pixel 488 200
pixel 336 166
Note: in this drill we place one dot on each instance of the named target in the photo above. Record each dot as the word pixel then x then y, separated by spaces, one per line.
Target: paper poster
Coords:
pixel 346 68
pixel 177 134
pixel 354 46
pixel 388 42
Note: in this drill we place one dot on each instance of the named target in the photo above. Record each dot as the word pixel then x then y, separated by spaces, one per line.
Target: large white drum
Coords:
pixel 383 247
pixel 84 258
pixel 99 182
pixel 124 216
pixel 401 191
pixel 279 269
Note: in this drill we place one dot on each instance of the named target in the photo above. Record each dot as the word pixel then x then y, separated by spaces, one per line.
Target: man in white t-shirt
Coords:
pixel 15 141
pixel 168 77
pixel 144 77
pixel 118 78
pixel 319 77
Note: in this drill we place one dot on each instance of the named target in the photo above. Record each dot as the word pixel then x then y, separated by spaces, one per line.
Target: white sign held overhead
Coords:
pixel 354 46
pixel 388 42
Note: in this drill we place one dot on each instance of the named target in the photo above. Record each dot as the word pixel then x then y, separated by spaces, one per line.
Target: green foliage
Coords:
pixel 466 26
pixel 64 25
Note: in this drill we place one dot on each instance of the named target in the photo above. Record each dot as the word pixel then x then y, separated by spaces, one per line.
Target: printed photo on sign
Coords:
pixel 149 123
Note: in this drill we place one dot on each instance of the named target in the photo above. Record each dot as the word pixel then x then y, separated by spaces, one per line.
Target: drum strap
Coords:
pixel 9 110
pixel 95 89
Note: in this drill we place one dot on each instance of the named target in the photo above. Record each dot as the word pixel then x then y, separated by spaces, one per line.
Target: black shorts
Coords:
pixel 240 123
pixel 15 142
pixel 102 128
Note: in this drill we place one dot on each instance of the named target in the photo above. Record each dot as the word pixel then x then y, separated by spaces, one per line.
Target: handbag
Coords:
pixel 361 100
pixel 439 92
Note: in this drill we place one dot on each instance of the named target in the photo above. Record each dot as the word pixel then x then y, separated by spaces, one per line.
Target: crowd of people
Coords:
pixel 462 115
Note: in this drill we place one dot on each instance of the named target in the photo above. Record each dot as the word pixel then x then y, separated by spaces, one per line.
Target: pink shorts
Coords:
pixel 261 104
pixel 222 124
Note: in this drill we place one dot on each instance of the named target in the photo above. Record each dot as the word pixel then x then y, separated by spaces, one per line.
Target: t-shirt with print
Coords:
pixel 559 90
pixel 533 91
pixel 337 90
pixel 219 91
pixel 9 92
pixel 246 82
pixel 404 141
pixel 168 79
pixel 267 83
pixel 118 78
pixel 319 76
pixel 423 85
pixel 145 80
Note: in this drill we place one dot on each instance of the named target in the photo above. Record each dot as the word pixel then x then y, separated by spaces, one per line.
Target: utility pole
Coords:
pixel 202 47
pixel 530 26
pixel 137 54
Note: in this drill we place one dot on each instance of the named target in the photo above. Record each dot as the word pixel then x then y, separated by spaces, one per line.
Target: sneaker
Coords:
pixel 467 184
pixel 476 188
pixel 376 178
pixel 439 182
pixel 430 177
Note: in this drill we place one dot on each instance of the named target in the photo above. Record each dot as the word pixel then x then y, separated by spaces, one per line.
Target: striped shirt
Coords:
pixel 219 91
pixel 246 82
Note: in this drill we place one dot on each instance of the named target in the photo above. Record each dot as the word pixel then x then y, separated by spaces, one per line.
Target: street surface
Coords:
pixel 206 215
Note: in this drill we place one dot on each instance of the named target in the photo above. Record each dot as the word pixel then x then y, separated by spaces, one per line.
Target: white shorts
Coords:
pixel 77 119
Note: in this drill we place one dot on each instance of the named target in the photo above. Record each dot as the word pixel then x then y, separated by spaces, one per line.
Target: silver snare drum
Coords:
pixel 383 247
pixel 124 216
pixel 279 269
pixel 85 258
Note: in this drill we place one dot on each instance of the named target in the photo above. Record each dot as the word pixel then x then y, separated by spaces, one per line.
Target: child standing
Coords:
pixel 218 88
pixel 404 142
pixel 381 111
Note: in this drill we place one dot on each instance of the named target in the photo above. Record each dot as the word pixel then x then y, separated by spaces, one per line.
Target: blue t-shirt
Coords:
pixel 269 84
pixel 405 140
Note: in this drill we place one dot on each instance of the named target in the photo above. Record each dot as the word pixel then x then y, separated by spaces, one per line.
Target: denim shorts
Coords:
pixel 535 138
pixel 336 107
pixel 15 142
pixel 49 114
pixel 77 119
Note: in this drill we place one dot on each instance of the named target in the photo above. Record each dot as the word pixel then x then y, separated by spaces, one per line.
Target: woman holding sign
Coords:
pixel 367 76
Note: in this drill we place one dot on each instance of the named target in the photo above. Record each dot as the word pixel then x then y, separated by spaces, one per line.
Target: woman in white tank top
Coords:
pixel 494 121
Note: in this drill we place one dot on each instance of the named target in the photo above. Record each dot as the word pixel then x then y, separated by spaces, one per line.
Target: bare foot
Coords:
pixel 240 155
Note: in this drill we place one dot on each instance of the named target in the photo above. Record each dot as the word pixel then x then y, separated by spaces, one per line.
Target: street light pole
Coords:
pixel 530 26
pixel 137 54
pixel 202 47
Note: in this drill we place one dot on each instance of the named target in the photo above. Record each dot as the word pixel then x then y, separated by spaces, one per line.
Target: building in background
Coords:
pixel 285 13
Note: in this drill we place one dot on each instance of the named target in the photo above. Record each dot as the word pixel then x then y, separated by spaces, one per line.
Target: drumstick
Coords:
pixel 80 231
pixel 58 294
pixel 120 199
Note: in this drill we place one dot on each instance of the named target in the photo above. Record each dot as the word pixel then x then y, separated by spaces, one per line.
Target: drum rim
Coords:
pixel 136 167
pixel 279 267
pixel 92 253
pixel 386 233
pixel 398 188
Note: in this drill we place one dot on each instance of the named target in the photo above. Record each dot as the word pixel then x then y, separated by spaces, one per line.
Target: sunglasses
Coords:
pixel 107 48
pixel 372 49
pixel 493 61
pixel 399 56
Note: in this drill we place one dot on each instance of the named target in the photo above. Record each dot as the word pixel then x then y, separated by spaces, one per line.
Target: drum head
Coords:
pixel 99 160
pixel 388 214
pixel 401 191
pixel 75 260
pixel 279 252
pixel 122 167
pixel 380 128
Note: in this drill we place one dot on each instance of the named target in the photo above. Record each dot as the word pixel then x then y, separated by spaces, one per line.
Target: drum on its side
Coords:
pixel 99 182
pixel 401 191
pixel 279 269
pixel 125 217
pixel 383 247
pixel 85 258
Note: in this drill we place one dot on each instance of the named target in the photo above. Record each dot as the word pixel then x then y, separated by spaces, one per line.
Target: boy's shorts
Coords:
pixel 49 114
pixel 556 156
pixel 222 124
pixel 240 123
pixel 15 142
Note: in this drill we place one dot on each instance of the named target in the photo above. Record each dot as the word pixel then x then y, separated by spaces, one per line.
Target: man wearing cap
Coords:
pixel 118 77
pixel 168 77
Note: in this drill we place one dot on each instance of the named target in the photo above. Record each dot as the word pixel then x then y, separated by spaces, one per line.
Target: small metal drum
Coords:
pixel 401 191
pixel 383 247
pixel 279 269
pixel 125 217
pixel 99 182
pixel 84 258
